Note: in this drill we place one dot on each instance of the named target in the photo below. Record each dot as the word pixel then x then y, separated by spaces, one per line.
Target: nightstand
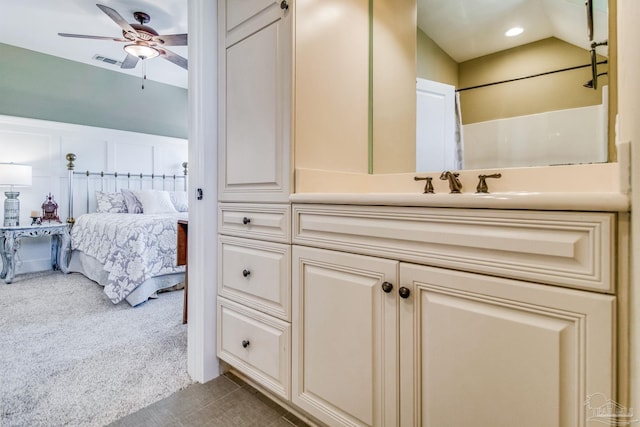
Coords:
pixel 183 230
pixel 10 238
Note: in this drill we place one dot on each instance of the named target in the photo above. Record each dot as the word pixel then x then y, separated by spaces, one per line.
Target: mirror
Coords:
pixel 463 95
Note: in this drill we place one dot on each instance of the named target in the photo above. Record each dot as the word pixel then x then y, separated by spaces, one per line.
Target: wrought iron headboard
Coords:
pixel 169 182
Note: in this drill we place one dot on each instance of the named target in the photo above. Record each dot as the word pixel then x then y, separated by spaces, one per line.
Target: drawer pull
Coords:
pixel 246 220
pixel 404 292
pixel 245 343
pixel 387 287
pixel 246 272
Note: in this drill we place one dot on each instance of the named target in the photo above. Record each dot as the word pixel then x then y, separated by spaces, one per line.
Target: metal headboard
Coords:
pixel 169 182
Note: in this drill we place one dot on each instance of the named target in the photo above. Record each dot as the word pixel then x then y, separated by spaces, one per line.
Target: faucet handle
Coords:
pixel 482 183
pixel 428 185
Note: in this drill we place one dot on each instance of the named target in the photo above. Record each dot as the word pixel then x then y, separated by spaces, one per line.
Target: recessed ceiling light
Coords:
pixel 512 32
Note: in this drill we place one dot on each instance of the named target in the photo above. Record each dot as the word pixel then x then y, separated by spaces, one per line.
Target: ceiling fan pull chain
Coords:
pixel 144 74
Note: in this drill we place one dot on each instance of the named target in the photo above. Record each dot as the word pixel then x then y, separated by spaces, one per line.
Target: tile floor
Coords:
pixel 225 401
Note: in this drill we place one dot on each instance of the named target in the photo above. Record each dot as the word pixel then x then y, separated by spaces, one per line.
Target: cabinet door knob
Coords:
pixel 387 287
pixel 246 272
pixel 284 5
pixel 246 220
pixel 245 343
pixel 404 292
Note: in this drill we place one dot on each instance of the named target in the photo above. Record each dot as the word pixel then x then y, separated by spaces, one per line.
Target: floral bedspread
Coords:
pixel 132 247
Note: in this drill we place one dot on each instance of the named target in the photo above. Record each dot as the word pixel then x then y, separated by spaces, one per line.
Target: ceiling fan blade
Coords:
pixel 171 39
pixel 111 13
pixel 83 36
pixel 130 61
pixel 174 57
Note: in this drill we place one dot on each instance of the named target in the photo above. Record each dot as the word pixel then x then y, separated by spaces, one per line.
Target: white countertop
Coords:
pixel 577 201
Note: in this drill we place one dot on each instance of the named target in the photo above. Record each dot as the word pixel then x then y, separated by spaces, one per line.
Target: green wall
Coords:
pixel 433 63
pixel 46 87
pixel 552 92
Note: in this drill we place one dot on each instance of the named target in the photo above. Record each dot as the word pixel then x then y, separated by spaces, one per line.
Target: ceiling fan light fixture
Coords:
pixel 141 50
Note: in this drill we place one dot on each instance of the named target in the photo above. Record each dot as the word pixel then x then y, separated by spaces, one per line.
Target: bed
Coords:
pixel 126 240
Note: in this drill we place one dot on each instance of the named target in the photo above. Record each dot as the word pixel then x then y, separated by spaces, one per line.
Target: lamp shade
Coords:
pixel 15 175
pixel 141 50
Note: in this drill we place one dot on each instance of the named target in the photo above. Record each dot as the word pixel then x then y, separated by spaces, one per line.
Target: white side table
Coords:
pixel 10 242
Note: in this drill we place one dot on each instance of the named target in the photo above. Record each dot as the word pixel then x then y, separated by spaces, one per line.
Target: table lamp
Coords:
pixel 13 175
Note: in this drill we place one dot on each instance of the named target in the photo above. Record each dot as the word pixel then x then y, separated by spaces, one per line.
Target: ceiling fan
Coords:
pixel 144 41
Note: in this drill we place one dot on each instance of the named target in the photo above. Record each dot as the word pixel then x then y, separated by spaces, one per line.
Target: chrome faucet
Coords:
pixel 454 183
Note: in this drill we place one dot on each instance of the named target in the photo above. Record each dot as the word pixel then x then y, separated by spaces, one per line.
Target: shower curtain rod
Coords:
pixel 529 77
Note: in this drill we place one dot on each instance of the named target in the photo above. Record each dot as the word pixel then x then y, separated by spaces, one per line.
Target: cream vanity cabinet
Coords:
pixel 452 317
pixel 254 252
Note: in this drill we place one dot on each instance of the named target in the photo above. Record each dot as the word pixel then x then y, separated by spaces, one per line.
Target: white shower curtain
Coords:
pixel 459 135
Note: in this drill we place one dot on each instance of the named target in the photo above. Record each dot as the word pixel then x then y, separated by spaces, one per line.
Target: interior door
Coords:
pixel 435 126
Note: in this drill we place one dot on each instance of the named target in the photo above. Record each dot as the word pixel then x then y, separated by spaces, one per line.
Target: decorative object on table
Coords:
pixel 50 209
pixel 35 218
pixel 13 175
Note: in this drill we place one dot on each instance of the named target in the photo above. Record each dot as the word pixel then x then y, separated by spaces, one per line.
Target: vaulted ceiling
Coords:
pixel 35 24
pixel 465 29
pixel 468 29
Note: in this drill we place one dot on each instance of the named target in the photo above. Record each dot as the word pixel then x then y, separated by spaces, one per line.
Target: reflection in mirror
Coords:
pixel 499 84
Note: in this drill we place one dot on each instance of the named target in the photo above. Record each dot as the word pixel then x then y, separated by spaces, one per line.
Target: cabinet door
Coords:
pixel 344 362
pixel 254 100
pixel 494 352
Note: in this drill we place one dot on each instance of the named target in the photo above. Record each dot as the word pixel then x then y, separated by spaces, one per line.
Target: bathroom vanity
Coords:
pixel 356 300
pixel 440 313
pixel 372 310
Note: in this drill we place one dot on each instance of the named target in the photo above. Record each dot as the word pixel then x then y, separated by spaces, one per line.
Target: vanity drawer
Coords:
pixel 256 221
pixel 573 249
pixel 257 274
pixel 256 344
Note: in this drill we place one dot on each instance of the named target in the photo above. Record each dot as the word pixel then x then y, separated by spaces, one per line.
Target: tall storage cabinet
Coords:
pixel 255 100
pixel 254 251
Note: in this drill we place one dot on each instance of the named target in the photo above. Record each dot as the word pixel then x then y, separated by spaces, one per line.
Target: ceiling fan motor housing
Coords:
pixel 141 17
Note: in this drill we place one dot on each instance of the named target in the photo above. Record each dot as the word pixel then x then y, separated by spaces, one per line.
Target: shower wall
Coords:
pixel 571 136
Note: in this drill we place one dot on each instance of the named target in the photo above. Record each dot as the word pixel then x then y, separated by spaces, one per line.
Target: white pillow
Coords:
pixel 180 200
pixel 155 202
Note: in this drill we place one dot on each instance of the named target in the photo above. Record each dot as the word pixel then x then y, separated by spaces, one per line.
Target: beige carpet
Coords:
pixel 68 356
